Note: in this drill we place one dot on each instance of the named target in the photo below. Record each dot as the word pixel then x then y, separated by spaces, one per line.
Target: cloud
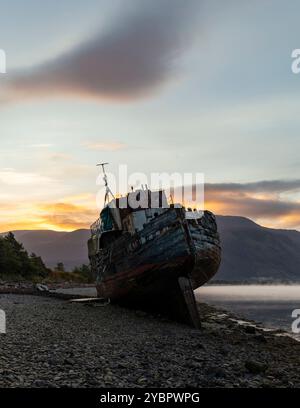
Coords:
pixel 104 146
pixel 66 216
pixel 14 178
pixel 273 186
pixel 64 167
pixel 132 58
pixel 69 216
pixel 42 145
pixel 59 216
pixel 271 203
pixel 57 157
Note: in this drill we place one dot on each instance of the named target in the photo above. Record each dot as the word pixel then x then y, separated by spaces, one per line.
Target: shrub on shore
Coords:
pixel 80 274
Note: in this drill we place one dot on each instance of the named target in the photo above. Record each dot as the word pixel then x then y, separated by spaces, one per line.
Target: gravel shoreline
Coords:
pixel 55 343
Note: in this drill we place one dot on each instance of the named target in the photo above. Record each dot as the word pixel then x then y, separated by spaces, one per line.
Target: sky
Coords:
pixel 197 86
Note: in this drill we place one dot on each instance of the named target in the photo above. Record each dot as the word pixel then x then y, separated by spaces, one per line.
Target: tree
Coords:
pixel 15 262
pixel 85 272
pixel 60 267
pixel 38 266
pixel 9 261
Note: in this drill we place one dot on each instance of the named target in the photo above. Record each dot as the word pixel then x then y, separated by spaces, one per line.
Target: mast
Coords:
pixel 107 189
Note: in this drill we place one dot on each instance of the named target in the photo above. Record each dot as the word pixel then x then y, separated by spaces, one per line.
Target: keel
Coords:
pixel 189 302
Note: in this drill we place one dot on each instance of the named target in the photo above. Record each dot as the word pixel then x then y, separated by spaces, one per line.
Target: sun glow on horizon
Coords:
pixel 69 216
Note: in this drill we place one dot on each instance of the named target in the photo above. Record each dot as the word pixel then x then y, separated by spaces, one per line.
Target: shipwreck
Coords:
pixel 154 256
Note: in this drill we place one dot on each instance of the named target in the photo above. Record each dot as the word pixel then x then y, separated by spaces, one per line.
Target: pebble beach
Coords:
pixel 54 343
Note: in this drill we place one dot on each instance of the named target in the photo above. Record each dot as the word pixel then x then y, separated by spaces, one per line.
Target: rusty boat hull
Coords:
pixel 158 268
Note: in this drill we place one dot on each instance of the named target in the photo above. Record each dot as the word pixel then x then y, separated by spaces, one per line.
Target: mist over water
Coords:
pixel 271 305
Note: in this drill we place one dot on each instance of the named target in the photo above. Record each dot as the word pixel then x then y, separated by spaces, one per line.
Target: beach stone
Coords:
pixel 225 350
pixel 260 338
pixel 53 343
pixel 250 329
pixel 216 371
pixel 255 367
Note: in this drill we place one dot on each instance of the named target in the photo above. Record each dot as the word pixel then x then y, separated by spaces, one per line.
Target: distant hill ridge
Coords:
pixel 253 252
pixel 250 252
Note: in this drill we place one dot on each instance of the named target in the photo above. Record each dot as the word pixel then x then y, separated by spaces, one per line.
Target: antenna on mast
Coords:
pixel 107 189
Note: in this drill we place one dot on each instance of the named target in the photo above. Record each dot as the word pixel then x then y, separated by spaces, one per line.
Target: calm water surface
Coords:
pixel 271 305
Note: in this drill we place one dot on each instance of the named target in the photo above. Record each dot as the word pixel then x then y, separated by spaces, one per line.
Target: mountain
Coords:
pixel 250 252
